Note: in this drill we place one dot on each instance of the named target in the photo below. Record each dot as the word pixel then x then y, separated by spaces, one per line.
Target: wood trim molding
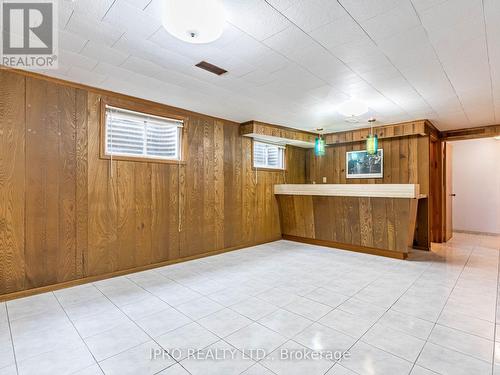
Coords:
pixel 471 133
pixel 404 129
pixel 133 106
pixel 91 279
pixel 343 246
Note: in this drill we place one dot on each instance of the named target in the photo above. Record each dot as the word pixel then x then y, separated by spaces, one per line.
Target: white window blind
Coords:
pixel 135 134
pixel 268 155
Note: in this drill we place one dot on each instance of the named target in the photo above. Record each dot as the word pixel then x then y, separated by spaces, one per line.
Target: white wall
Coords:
pixel 476 182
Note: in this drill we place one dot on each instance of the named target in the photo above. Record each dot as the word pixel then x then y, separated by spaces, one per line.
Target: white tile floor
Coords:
pixel 435 314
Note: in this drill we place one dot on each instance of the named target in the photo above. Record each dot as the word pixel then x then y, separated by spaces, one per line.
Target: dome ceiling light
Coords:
pixel 352 108
pixel 194 21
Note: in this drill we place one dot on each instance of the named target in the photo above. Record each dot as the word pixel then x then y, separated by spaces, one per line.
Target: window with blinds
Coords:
pixel 268 155
pixel 139 135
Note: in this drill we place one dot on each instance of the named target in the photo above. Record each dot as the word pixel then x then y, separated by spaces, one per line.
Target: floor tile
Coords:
pixel 114 341
pixel 318 337
pixel 24 307
pixel 191 337
pixel 147 306
pixel 326 297
pixel 228 297
pixel 174 370
pixel 77 294
pixel 278 297
pixel 285 323
pixel 254 308
pixel 338 369
pixel 199 308
pixel 347 323
pixel 218 359
pixel 408 324
pixel 307 308
pixel 10 370
pixel 394 342
pixel 162 322
pixel 366 359
pixel 62 361
pixel 93 324
pixel 255 341
pixel 449 362
pixel 291 359
pixel 257 369
pixel 465 343
pixel 468 324
pixel 143 359
pixel 91 370
pixel 224 322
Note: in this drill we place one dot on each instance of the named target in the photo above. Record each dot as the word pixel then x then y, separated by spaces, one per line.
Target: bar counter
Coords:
pixel 377 219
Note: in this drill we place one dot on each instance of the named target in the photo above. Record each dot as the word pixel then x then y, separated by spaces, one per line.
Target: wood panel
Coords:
pixel 50 183
pixel 87 216
pixel 12 182
pixel 351 223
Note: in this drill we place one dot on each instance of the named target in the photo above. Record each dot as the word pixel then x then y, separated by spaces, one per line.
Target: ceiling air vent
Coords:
pixel 211 68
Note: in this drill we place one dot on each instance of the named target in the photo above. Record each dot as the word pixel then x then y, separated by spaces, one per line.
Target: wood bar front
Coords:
pixel 376 225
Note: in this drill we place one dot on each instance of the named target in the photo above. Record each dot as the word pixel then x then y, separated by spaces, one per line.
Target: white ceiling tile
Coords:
pixel 362 10
pixel 124 16
pixel 423 5
pixel 94 9
pixel 70 41
pixel 256 18
pixel 85 76
pixel 289 42
pixel 449 13
pixel 112 71
pixel 103 53
pixel 392 22
pixel 97 31
pixel 339 32
pixel 311 14
pixel 68 58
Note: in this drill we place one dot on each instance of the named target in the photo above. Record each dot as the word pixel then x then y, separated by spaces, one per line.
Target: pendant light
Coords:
pixel 319 144
pixel 194 21
pixel 372 140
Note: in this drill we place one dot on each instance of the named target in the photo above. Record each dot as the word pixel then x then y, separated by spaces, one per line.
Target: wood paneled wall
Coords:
pixel 406 161
pixel 66 214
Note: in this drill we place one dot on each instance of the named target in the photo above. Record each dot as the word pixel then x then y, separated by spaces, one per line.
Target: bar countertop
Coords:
pixel 411 191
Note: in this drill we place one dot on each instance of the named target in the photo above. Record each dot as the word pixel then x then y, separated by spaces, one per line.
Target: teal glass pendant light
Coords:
pixel 372 140
pixel 319 145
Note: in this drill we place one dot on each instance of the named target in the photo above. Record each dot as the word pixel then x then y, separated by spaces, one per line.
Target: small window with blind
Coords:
pixel 268 155
pixel 131 134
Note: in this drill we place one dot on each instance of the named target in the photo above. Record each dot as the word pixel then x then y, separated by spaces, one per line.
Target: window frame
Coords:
pixel 146 109
pixel 269 169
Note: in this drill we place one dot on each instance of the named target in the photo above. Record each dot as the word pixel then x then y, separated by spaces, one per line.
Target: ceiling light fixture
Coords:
pixel 352 108
pixel 194 21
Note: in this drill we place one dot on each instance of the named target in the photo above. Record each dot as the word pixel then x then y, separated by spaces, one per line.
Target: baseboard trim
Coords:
pixel 476 232
pixel 91 279
pixel 343 246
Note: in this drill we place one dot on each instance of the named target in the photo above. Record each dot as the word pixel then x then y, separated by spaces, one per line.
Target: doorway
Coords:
pixel 472 186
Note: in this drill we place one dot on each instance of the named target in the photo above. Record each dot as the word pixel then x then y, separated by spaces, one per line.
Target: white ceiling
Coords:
pixel 291 62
